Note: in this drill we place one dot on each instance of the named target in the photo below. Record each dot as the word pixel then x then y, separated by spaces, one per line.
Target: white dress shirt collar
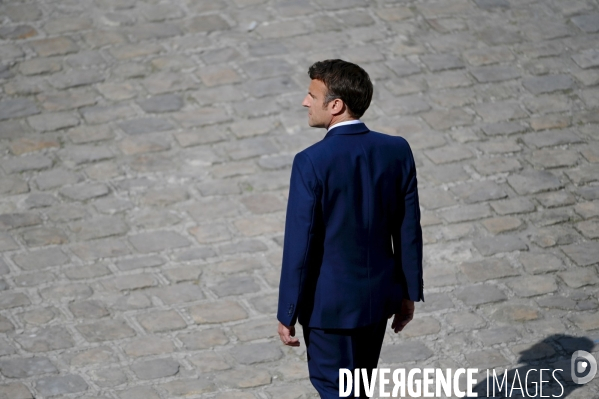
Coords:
pixel 352 122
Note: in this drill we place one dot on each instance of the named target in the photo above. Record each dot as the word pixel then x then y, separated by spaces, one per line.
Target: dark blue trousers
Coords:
pixel 332 349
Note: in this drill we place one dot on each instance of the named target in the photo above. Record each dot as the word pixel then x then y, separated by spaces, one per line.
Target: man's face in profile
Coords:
pixel 318 114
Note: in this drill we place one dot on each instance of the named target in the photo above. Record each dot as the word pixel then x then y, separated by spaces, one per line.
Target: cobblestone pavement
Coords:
pixel 146 151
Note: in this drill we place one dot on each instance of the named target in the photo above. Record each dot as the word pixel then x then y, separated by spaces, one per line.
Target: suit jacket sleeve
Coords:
pixel 299 237
pixel 407 242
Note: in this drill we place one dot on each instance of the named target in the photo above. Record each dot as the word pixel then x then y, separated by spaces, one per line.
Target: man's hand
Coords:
pixel 285 333
pixel 402 318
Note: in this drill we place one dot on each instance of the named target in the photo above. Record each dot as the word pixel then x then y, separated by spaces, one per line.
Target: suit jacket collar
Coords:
pixel 356 128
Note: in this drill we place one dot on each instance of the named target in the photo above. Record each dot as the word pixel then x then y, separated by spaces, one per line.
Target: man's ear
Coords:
pixel 337 106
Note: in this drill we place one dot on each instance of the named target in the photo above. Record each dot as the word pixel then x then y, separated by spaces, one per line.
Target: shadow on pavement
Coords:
pixel 553 356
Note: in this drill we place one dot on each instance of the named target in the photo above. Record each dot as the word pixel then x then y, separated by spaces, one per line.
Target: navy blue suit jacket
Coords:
pixel 353 242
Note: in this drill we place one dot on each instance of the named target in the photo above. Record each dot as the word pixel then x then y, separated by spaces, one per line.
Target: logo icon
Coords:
pixel 583 367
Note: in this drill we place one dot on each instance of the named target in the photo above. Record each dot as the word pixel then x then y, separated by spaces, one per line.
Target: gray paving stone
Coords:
pixel 102 248
pixel 177 293
pixel 76 78
pixel 53 121
pixel 488 269
pixel 28 280
pixel 504 128
pixel 256 353
pixel 26 367
pixel 17 32
pixel 158 241
pixel 244 246
pixel 99 227
pixel 7 242
pixel 480 294
pixel 491 4
pixel 548 84
pixel 182 388
pixel 486 359
pixel 588 23
pixel 449 154
pixel 587 209
pixel 141 392
pixel 41 259
pixel 537 263
pixel 109 377
pixel 498 335
pixel 552 216
pixel 493 245
pixel 466 213
pixel 217 312
pixel 10 300
pixel 162 103
pixel 235 286
pixel 40 200
pixel 579 278
pixel 162 321
pixel 203 339
pixel 66 292
pixel 402 67
pixel 39 316
pixel 15 390
pixel 83 192
pixel 413 351
pixel 84 154
pixel 27 163
pixel 17 107
pixel 500 225
pixel 435 198
pixel 53 386
pixel 13 185
pixel 557 302
pixel 583 254
pixel 527 286
pixel 440 62
pixel 498 35
pixel 64 100
pixel 500 111
pixel 515 313
pixel 141 262
pixel 480 191
pixel 88 309
pixel 146 125
pixel 16 220
pixel 532 182
pixel 587 59
pixel 85 272
pixel 585 322
pixel 130 282
pixel 106 330
pixel 158 368
pixel 150 345
pixel 42 236
pixel 461 321
pixel 443 120
pixel 46 339
pixel 552 138
pixel 492 74
pixel 492 166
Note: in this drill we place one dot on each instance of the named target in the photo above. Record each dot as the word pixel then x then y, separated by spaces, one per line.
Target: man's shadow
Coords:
pixel 553 353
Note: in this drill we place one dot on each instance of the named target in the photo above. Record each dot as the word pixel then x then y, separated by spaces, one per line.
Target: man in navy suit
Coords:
pixel 352 254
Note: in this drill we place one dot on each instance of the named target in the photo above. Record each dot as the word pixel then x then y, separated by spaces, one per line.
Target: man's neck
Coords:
pixel 341 118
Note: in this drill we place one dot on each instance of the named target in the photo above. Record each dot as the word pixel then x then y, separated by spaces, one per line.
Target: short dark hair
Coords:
pixel 345 81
